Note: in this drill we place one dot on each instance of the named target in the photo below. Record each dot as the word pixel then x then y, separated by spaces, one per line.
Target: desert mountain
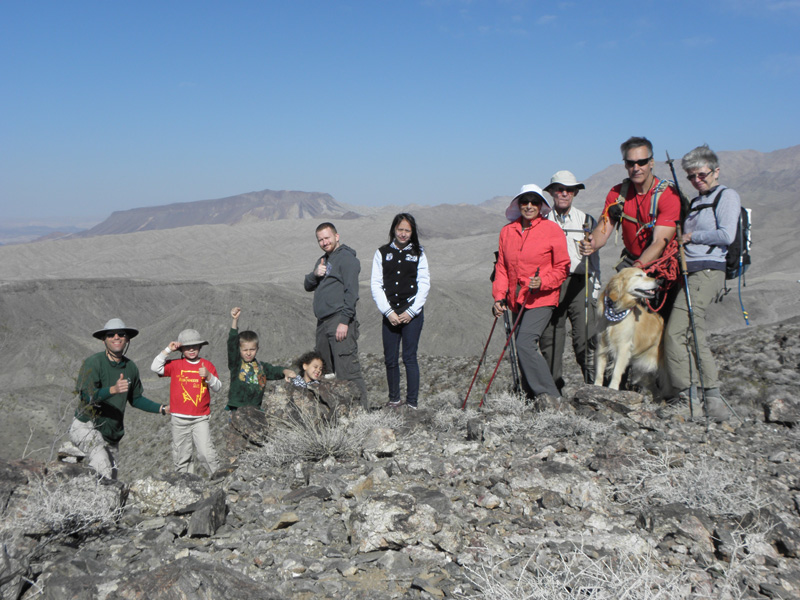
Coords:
pixel 266 205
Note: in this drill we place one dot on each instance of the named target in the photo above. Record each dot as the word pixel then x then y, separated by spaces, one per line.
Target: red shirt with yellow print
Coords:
pixel 188 392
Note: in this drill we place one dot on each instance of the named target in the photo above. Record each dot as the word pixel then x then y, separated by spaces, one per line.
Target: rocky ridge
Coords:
pixel 601 495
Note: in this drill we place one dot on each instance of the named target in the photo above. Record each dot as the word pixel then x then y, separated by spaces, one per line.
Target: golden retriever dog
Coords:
pixel 629 332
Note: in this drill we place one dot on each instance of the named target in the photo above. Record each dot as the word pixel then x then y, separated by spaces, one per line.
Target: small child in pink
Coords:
pixel 191 378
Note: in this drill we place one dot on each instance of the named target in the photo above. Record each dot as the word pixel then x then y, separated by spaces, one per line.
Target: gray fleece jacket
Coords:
pixel 712 231
pixel 337 292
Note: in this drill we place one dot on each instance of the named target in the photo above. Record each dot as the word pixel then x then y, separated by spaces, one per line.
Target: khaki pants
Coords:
pixel 341 358
pixel 188 432
pixel 102 455
pixel 572 306
pixel 678 340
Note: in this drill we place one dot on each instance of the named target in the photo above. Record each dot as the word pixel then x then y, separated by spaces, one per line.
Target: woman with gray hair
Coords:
pixel 709 229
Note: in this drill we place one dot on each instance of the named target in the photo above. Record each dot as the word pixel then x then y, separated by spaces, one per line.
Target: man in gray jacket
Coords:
pixel 334 282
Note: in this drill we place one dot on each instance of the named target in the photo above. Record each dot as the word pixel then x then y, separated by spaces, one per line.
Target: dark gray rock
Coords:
pixel 191 579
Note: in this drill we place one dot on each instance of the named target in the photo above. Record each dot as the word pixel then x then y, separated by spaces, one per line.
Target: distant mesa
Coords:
pixel 266 205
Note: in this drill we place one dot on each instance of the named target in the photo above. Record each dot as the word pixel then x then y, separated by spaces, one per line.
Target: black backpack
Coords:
pixel 737 260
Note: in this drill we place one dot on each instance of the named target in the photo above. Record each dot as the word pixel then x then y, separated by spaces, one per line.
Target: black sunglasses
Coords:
pixel 641 162
pixel 111 334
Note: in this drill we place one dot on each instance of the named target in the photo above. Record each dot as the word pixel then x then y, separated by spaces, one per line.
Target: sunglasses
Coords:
pixel 641 162
pixel 700 176
pixel 524 201
pixel 561 190
pixel 112 334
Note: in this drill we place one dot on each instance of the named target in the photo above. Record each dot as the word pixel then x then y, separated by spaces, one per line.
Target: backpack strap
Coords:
pixel 713 204
pixel 662 185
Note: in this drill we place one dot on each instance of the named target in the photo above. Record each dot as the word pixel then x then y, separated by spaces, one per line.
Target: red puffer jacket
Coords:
pixel 542 246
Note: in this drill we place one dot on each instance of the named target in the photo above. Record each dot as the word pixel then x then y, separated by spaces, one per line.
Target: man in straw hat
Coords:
pixel 576 302
pixel 107 382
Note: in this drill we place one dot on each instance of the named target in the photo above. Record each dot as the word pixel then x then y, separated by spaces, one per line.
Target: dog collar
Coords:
pixel 613 314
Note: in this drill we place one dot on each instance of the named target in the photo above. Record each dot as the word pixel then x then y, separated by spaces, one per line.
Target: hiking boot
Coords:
pixel 718 411
pixel 394 403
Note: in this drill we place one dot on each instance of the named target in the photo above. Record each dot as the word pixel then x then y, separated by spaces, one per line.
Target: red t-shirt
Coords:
pixel 634 236
pixel 188 392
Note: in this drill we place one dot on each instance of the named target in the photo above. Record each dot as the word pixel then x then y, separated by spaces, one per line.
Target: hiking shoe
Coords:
pixel 412 406
pixel 394 403
pixel 718 411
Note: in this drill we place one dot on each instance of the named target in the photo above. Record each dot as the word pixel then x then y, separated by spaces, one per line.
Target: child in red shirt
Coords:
pixel 191 379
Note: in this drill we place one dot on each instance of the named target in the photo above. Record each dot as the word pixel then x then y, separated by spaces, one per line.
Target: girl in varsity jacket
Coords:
pixel 400 284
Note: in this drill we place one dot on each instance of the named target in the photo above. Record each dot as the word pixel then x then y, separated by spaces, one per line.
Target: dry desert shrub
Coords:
pixel 710 485
pixel 576 576
pixel 452 418
pixel 509 413
pixel 554 424
pixel 61 507
pixel 304 438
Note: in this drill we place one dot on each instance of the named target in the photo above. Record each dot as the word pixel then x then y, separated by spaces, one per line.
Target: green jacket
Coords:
pixel 95 401
pixel 248 380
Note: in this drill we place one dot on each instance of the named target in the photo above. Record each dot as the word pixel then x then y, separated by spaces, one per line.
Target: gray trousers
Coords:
pixel 188 432
pixel 678 340
pixel 536 377
pixel 102 456
pixel 341 358
pixel 572 306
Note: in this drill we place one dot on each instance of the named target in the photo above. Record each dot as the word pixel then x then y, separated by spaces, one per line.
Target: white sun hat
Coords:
pixel 513 213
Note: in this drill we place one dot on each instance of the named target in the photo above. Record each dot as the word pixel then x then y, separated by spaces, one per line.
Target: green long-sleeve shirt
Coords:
pixel 248 379
pixel 97 404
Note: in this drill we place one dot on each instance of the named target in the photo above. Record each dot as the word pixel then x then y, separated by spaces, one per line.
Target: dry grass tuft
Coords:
pixel 555 424
pixel 303 438
pixel 713 486
pixel 56 507
pixel 576 576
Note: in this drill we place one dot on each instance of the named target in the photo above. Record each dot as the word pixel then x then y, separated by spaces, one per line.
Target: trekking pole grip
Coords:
pixel 681 253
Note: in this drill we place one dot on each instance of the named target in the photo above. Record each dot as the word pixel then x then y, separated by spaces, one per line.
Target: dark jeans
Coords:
pixel 408 334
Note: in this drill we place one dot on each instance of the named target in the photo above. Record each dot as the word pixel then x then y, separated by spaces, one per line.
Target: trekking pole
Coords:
pixel 480 362
pixel 587 224
pixel 683 198
pixel 685 273
pixel 512 354
pixel 508 340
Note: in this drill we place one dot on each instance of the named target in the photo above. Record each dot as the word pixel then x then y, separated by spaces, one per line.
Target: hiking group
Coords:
pixel 108 381
pixel 547 272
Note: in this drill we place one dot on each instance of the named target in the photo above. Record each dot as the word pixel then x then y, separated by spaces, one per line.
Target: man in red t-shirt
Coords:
pixel 644 239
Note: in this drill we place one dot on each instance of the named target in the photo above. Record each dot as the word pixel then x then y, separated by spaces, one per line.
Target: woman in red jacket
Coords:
pixel 532 264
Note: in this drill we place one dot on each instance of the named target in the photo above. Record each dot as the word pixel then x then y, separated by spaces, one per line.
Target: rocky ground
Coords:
pixel 603 495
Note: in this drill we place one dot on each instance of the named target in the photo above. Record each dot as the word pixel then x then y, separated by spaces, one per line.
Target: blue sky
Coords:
pixel 113 105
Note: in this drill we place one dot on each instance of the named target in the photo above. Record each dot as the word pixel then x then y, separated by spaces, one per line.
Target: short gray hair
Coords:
pixel 635 142
pixel 700 157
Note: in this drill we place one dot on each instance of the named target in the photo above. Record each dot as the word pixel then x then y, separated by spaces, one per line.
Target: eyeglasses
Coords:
pixel 562 189
pixel 700 176
pixel 523 201
pixel 641 162
pixel 112 334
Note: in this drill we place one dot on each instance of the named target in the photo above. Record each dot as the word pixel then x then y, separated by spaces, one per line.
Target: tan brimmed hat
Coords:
pixel 565 178
pixel 513 213
pixel 190 337
pixel 115 325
